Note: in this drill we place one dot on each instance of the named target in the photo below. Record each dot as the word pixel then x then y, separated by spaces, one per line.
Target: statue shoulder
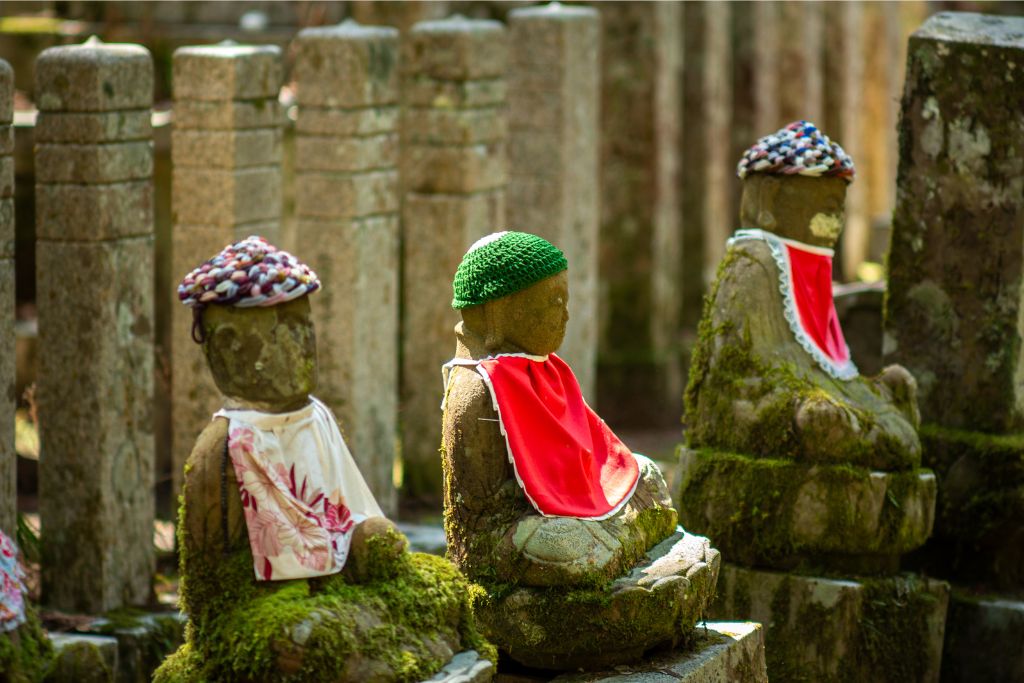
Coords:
pixel 204 462
pixel 467 393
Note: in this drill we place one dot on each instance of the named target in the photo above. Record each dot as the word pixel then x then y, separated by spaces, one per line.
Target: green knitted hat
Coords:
pixel 504 263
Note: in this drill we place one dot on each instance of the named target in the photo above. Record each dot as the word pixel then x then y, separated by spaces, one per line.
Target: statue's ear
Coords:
pixel 494 336
pixel 766 203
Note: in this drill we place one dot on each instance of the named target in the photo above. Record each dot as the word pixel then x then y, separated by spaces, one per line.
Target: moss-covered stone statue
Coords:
pixel 794 457
pixel 289 571
pixel 573 537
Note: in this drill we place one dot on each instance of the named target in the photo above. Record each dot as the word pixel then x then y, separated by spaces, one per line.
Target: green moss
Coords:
pixel 747 507
pixel 80 663
pixel 392 625
pixel 25 653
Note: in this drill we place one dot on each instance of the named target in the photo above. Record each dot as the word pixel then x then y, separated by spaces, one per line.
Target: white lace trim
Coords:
pixel 475 364
pixel 842 371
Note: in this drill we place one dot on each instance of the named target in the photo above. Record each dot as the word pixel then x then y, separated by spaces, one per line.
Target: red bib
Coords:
pixel 805 280
pixel 569 463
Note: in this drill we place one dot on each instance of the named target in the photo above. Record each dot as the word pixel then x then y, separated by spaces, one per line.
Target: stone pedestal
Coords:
pixel 8 398
pixel 346 207
pixel 454 175
pixel 95 296
pixel 983 639
pixel 554 98
pixel 226 155
pixel 722 651
pixel 823 629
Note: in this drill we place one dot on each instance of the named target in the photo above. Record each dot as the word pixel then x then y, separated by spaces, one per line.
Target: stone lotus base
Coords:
pixel 722 651
pixel 876 630
pixel 984 640
pixel 785 514
pixel 658 602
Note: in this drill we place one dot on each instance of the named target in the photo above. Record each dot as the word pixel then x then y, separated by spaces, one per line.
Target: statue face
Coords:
pixel 262 354
pixel 802 208
pixel 532 320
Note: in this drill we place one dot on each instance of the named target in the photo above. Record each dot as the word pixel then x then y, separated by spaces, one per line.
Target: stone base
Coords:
pixel 875 630
pixel 790 515
pixel 143 640
pixel 723 651
pixel 465 667
pixel 984 640
pixel 82 657
pixel 979 520
pixel 658 602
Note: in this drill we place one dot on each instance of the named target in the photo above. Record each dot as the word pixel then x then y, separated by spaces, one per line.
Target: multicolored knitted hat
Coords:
pixel 249 273
pixel 504 263
pixel 798 149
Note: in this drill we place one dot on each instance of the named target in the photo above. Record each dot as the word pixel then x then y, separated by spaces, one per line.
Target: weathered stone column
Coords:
pixel 554 98
pixel 956 264
pixel 801 60
pixel 346 205
pixel 641 250
pixel 454 175
pixel 8 458
pixel 226 156
pixel 94 253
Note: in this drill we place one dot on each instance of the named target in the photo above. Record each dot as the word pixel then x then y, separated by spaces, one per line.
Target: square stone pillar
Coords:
pixel 226 185
pixel 346 206
pixel 554 110
pixel 641 244
pixel 454 175
pixel 8 458
pixel 94 253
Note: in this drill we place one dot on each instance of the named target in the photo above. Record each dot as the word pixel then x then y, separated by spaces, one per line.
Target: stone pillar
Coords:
pixel 346 207
pixel 956 268
pixel 453 175
pixel 640 247
pixel 94 253
pixel 226 157
pixel 8 458
pixel 801 61
pixel 553 98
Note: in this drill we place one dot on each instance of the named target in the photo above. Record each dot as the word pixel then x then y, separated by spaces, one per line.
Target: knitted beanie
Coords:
pixel 798 149
pixel 503 263
pixel 249 273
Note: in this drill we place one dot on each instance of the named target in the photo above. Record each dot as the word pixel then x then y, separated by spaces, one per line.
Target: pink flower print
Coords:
pixel 265 533
pixel 337 518
pixel 242 439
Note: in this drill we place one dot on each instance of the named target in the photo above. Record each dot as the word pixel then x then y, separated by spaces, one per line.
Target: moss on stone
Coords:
pixel 25 653
pixel 80 663
pixel 749 507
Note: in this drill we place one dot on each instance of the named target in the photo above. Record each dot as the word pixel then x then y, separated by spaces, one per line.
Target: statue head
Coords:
pixel 794 185
pixel 512 289
pixel 252 316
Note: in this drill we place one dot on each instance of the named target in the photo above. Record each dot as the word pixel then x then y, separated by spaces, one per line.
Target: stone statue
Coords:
pixel 771 376
pixel 573 536
pixel 283 546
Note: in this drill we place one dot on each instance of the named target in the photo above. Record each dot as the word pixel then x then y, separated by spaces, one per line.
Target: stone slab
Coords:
pixel 347 65
pixel 786 514
pixel 346 122
pixel 227 198
pixel 6 139
pixel 332 153
pixel 227 115
pixel 94 164
pixel 107 647
pixel 659 601
pixel 85 128
pixel 95 404
pixel 955 264
pixel 723 652
pixel 6 177
pixel 438 126
pixel 465 667
pixel 877 630
pixel 227 72
pixel 984 639
pixel 7 227
pixel 422 91
pixel 346 195
pixel 6 92
pixel 94 212
pixel 94 76
pixel 143 640
pixel 454 169
pixel 457 48
pixel 226 149
pixel 424 538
